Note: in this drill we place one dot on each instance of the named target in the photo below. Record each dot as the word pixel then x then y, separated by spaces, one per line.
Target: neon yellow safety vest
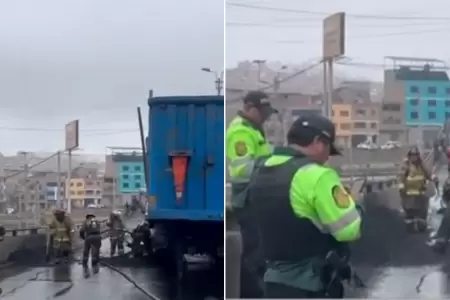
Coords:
pixel 245 143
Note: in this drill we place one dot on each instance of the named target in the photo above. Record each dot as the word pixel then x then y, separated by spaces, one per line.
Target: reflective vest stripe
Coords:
pixel 334 227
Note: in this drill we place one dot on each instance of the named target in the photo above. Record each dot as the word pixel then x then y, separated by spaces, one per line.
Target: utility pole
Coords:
pixel 325 91
pixel 69 179
pixel 59 184
pixel 23 205
pixel 218 81
pixel 219 85
pixel 260 63
pixel 420 127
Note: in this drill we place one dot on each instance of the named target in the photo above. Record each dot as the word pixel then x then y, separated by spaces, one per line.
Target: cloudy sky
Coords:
pixel 290 31
pixel 95 61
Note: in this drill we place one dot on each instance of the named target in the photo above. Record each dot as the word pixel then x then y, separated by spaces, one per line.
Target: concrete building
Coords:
pixel 124 175
pixel 416 100
pixel 93 190
pixel 76 188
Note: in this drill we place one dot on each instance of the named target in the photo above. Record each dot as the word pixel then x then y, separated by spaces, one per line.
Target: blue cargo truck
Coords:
pixel 185 157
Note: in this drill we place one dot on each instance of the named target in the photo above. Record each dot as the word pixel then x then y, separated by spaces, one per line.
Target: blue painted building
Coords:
pixel 427 102
pixel 130 173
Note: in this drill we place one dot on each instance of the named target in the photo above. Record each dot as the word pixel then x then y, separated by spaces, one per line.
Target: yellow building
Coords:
pixel 76 188
pixel 342 118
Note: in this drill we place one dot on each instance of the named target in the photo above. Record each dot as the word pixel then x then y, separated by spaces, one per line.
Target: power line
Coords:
pixel 32 166
pixel 318 24
pixel 351 15
pixel 371 36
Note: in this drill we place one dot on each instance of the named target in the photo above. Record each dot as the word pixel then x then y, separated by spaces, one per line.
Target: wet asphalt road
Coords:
pixel 410 269
pixel 69 282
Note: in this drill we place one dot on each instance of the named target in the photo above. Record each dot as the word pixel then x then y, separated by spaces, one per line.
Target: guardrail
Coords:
pixel 34 230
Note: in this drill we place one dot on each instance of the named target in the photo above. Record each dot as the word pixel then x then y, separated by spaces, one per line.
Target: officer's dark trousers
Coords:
pixel 116 243
pixel 281 291
pixel 443 232
pixel 252 262
pixel 92 246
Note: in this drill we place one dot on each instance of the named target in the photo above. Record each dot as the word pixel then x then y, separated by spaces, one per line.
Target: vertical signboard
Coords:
pixel 334 35
pixel 72 135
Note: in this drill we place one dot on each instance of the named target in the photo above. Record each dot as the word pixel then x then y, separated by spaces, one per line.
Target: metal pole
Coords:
pixel 330 88
pixel 59 185
pixel 325 91
pixel 219 85
pixel 113 204
pixel 69 179
pixel 420 127
pixel 26 192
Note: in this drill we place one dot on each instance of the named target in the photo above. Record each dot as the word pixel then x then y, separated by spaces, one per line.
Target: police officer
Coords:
pixel 413 181
pixel 304 214
pixel 245 142
pixel 90 232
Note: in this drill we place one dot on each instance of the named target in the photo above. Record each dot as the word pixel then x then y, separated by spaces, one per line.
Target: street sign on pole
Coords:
pixel 72 137
pixel 72 142
pixel 334 36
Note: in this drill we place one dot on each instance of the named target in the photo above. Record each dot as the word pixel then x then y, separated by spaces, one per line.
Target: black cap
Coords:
pixel 260 100
pixel 317 123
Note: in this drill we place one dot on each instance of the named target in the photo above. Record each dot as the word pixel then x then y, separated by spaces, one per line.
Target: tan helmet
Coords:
pixel 413 151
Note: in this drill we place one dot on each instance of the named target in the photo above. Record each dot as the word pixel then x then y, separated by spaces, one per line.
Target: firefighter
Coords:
pixel 61 229
pixel 246 142
pixel 305 214
pixel 90 232
pixel 116 233
pixel 413 181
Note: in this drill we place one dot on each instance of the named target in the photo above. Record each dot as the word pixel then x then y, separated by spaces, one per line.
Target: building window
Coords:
pixel 332 113
pixel 344 113
pixel 447 91
pixel 360 112
pixel 79 184
pixel 414 89
pixel 431 115
pixel 71 184
pixel 431 102
pixel 414 102
pixel 447 103
pixel 125 168
pixel 80 193
pixel 431 90
pixel 137 168
pixel 373 112
pixel 125 185
pixel 414 115
pixel 373 125
pixel 447 115
pixel 345 126
pixel 391 107
pixel 137 185
pixel 126 177
pixel 137 177
pixel 359 125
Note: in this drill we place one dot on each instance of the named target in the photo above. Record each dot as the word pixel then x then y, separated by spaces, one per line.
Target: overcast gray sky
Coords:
pixel 95 61
pixel 291 31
